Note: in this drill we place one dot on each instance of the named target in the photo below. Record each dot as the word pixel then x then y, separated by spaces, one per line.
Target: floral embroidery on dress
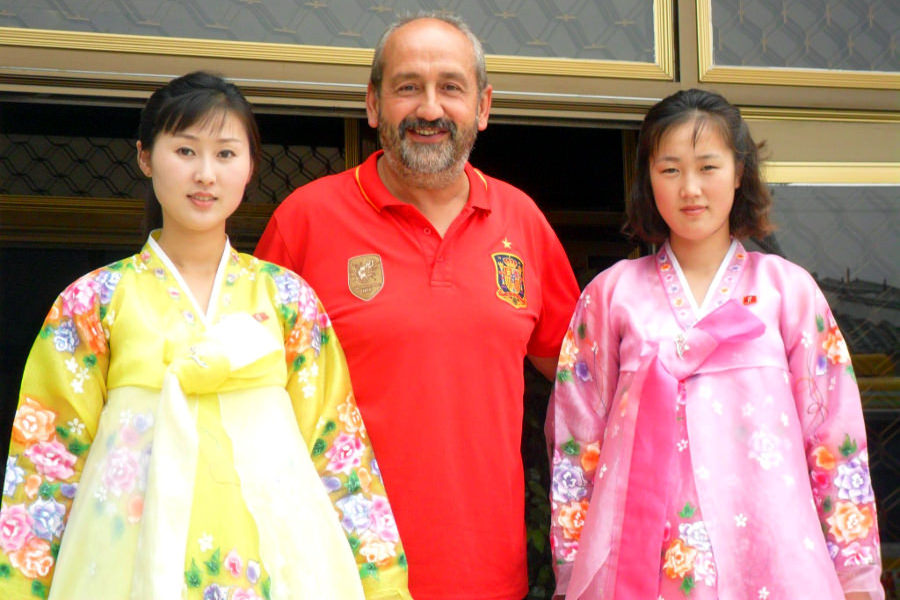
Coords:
pixel 688 556
pixel 30 531
pixel 226 579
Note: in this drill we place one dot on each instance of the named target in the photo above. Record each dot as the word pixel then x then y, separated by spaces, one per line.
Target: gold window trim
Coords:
pixel 835 173
pixel 710 73
pixel 662 69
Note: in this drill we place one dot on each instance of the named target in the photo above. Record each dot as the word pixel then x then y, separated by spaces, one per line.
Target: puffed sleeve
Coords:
pixel 576 419
pixel 319 387
pixel 62 395
pixel 830 410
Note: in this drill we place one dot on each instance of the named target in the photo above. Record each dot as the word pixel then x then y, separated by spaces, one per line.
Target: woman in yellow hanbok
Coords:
pixel 186 426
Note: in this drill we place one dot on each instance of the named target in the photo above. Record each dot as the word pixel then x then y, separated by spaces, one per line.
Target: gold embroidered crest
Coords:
pixel 510 272
pixel 365 276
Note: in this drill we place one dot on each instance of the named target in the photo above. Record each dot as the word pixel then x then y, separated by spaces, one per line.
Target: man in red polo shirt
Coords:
pixel 439 281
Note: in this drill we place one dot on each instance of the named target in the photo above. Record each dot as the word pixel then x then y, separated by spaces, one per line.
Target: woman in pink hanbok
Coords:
pixel 706 430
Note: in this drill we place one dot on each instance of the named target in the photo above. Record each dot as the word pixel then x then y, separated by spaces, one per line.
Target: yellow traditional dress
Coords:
pixel 160 451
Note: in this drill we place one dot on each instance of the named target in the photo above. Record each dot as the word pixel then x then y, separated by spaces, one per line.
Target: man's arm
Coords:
pixel 545 364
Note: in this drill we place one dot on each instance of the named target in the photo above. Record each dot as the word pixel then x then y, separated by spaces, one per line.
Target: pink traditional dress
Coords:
pixel 701 451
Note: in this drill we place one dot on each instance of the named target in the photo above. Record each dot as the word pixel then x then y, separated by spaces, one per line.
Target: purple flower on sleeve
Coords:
pixel 68 490
pixel 253 571
pixel 66 338
pixel 853 482
pixel 107 281
pixel 568 482
pixel 48 518
pixel 332 484
pixel 581 371
pixel 215 591
pixel 357 512
pixel 288 288
pixel 14 476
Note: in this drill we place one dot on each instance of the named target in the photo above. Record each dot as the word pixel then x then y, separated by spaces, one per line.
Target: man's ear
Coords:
pixel 372 105
pixel 484 107
pixel 143 160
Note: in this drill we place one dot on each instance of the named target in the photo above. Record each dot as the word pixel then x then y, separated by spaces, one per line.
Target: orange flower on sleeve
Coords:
pixel 679 559
pixel 590 457
pixel 571 519
pixel 33 559
pixel 568 351
pixel 824 458
pixel 850 522
pixel 33 423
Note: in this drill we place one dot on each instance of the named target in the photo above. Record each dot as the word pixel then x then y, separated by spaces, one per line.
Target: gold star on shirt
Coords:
pixel 507 243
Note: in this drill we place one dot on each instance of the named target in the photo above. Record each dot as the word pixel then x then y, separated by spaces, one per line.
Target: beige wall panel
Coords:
pixel 814 141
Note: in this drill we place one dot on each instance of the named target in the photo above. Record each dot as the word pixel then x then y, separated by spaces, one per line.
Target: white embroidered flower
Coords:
pixel 788 480
pixel 765 448
pixel 602 471
pixel 705 569
pixel 806 339
pixel 314 369
pixel 763 593
pixel 717 407
pixel 78 385
pixel 76 426
pixel 72 365
pixel 125 417
pixel 308 390
pixel 740 520
pixel 682 445
pixel 705 391
pixel 695 535
pixel 205 542
pixel 747 409
pixel 784 419
pixel 808 543
pixel 702 473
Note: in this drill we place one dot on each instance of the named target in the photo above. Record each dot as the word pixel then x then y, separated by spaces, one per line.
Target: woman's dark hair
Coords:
pixel 749 215
pixel 194 98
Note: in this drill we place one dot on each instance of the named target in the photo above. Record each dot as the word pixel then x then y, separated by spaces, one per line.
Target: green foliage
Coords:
pixel 820 323
pixel 319 447
pixel 849 447
pixel 688 511
pixel 214 564
pixel 329 427
pixel 537 484
pixel 193 577
pixel 353 484
pixel 38 589
pixel 77 447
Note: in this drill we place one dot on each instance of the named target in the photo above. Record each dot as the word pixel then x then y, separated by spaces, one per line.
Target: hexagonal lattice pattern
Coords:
pixel 608 30
pixel 807 34
pixel 106 167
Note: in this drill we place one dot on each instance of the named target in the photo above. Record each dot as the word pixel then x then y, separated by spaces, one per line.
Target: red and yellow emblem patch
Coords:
pixel 510 272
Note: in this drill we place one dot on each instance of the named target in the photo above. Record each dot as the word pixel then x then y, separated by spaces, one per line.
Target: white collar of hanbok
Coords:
pixel 706 306
pixel 209 314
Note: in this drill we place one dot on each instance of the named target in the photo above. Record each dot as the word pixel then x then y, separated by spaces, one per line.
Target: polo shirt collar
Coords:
pixel 377 195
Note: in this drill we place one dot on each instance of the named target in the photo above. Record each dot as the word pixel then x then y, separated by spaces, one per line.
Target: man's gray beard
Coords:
pixel 424 166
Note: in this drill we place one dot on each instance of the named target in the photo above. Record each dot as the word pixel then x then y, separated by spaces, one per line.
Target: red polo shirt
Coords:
pixel 435 331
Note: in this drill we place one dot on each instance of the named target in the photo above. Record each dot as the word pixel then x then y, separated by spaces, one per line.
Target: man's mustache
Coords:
pixel 414 123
